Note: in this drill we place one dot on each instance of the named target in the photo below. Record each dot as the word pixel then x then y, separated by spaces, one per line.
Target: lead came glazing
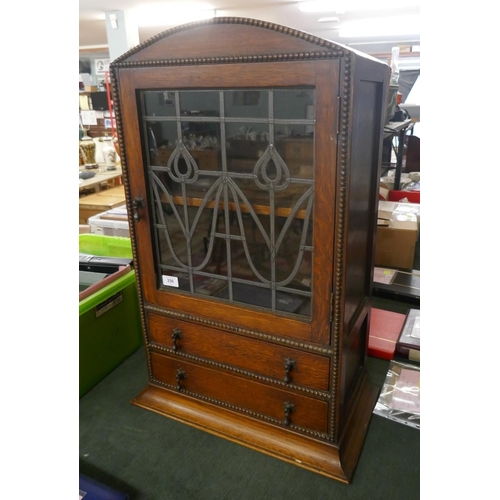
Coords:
pixel 232 178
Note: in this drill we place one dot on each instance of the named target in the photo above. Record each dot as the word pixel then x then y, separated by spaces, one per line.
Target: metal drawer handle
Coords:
pixel 137 203
pixel 289 365
pixel 180 376
pixel 176 335
pixel 288 408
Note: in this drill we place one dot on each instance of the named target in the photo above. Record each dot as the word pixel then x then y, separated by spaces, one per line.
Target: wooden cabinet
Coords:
pixel 251 159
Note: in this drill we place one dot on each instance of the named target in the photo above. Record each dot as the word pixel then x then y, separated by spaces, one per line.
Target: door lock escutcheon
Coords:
pixel 137 204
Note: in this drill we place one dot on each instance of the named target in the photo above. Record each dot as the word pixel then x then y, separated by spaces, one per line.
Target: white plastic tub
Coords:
pixel 111 223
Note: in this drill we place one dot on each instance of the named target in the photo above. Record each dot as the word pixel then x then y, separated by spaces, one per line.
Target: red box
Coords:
pixel 385 329
pixel 396 195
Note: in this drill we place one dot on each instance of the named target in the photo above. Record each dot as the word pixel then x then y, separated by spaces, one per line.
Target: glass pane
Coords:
pixel 297 152
pixel 163 141
pixel 246 141
pixel 199 103
pixel 162 137
pixel 159 103
pixel 246 103
pixel 233 200
pixel 263 297
pixel 294 104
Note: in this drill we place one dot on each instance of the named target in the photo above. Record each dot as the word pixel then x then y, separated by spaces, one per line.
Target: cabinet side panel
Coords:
pixel 362 198
pixel 363 192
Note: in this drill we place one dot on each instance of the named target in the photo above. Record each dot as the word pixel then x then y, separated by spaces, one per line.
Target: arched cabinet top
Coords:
pixel 231 40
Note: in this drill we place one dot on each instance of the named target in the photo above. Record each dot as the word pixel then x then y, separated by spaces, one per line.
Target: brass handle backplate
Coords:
pixel 180 376
pixel 289 365
pixel 137 203
pixel 288 408
pixel 176 335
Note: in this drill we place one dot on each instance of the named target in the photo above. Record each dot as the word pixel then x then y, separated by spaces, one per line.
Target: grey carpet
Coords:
pixel 151 457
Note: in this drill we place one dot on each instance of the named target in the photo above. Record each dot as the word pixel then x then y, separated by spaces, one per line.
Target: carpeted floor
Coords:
pixel 151 457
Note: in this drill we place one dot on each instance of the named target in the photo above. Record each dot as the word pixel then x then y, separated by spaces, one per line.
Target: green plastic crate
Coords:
pixel 110 325
pixel 109 246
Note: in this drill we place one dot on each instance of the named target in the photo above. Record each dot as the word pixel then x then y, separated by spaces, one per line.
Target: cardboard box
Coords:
pixel 397 234
pixel 389 207
pixel 383 191
pixel 90 88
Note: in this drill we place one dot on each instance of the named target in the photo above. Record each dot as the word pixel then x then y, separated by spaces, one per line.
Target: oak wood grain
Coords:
pixel 224 376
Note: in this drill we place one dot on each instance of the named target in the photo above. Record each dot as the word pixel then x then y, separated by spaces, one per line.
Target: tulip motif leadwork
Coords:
pixel 270 174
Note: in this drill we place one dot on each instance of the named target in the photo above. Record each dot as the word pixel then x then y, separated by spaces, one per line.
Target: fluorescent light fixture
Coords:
pixel 328 20
pixel 172 13
pixel 381 27
pixel 342 6
pixel 113 19
pixel 93 47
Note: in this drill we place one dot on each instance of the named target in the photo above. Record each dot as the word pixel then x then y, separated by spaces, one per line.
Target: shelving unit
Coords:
pixel 395 134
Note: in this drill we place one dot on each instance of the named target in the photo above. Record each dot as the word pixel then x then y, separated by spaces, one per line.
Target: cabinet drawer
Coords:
pixel 257 356
pixel 244 394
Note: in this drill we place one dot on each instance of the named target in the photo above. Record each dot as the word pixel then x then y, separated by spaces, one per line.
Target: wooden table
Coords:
pixel 101 201
pixel 110 177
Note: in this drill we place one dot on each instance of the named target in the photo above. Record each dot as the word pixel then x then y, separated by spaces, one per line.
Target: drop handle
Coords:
pixel 289 366
pixel 137 204
pixel 288 408
pixel 180 376
pixel 176 335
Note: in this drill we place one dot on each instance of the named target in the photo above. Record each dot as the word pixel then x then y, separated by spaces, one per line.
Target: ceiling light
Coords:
pixel 328 20
pixel 381 27
pixel 172 13
pixel 113 19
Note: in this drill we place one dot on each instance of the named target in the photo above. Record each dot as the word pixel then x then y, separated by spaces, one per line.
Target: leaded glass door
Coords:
pixel 233 189
pixel 231 174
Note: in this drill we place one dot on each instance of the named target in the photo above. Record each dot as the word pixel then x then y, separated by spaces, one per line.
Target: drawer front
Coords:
pixel 245 394
pixel 257 356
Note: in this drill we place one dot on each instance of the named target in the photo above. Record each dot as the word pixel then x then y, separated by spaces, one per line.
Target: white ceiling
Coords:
pixel 93 24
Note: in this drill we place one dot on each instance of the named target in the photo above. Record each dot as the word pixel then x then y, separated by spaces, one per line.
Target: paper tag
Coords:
pixel 108 304
pixel 170 281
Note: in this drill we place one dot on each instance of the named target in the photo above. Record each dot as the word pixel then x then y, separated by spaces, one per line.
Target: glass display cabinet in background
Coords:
pixel 251 156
